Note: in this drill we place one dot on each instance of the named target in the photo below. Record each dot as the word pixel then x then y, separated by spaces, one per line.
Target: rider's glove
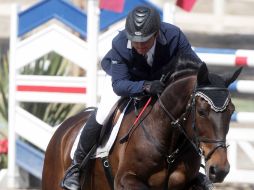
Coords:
pixel 153 87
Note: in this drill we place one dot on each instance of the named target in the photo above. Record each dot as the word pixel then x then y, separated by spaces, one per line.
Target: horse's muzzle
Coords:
pixel 217 174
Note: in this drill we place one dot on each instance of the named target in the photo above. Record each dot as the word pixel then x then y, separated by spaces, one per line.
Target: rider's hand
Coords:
pixel 153 87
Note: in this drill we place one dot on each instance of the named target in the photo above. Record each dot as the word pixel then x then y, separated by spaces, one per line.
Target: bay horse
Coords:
pixel 188 121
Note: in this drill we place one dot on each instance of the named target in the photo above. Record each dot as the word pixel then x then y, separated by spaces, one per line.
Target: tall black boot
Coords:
pixel 88 139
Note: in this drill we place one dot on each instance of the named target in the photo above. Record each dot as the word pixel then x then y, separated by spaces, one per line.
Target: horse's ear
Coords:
pixel 202 76
pixel 229 77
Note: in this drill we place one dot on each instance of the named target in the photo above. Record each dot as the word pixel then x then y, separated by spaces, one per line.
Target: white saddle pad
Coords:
pixel 104 149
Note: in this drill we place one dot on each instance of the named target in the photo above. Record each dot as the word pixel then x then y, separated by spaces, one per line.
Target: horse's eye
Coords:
pixel 202 113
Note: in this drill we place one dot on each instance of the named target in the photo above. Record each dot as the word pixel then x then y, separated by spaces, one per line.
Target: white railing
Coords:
pixel 241 155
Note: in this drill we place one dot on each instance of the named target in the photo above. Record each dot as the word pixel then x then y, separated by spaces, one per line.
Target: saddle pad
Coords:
pixel 102 150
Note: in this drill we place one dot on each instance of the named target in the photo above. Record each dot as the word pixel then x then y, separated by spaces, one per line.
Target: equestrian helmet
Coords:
pixel 142 23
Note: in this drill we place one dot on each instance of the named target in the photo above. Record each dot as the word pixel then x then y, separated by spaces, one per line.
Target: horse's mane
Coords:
pixel 185 66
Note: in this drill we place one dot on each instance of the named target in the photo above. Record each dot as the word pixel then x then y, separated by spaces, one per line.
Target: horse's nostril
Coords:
pixel 213 170
pixel 216 174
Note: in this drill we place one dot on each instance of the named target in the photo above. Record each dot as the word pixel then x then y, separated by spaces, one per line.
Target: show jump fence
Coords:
pixel 75 90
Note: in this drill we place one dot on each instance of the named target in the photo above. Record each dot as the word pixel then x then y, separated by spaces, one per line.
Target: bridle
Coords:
pixel 196 139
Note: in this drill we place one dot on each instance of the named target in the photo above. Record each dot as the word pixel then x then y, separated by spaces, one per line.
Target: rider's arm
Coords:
pixel 115 66
pixel 122 85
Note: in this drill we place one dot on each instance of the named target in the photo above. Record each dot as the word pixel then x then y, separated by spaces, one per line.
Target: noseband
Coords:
pixel 191 108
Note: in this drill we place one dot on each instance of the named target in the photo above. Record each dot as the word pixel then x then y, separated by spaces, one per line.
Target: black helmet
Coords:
pixel 142 23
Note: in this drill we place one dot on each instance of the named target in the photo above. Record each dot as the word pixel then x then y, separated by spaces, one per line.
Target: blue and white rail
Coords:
pixel 242 86
pixel 243 117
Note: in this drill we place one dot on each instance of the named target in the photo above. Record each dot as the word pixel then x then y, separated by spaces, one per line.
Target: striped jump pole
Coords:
pixel 226 57
pixel 54 89
pixel 242 86
pixel 243 117
pixel 51 89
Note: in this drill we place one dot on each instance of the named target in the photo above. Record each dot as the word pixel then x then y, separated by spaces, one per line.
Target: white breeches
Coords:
pixel 108 99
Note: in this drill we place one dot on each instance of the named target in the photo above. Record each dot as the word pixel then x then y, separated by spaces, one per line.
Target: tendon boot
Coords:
pixel 88 139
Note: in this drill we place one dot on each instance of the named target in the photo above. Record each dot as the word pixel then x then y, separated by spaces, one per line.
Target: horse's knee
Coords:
pixel 177 180
pixel 130 181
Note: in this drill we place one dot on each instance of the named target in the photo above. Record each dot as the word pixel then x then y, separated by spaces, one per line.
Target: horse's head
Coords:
pixel 213 109
pixel 206 116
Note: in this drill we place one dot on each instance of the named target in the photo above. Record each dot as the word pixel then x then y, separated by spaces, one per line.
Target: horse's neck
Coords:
pixel 176 95
pixel 174 98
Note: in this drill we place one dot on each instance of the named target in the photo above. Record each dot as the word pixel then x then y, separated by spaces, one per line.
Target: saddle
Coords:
pixel 122 106
pixel 107 128
pixel 112 119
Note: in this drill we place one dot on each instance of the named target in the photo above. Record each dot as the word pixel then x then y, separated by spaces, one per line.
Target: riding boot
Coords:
pixel 88 139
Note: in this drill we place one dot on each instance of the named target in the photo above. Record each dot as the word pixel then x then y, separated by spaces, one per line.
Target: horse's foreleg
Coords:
pixel 177 180
pixel 130 181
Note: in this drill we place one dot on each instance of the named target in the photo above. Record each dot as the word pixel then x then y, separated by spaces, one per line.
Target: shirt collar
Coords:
pixel 129 44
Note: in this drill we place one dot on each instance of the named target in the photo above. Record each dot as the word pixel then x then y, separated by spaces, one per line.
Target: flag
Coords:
pixel 185 4
pixel 112 5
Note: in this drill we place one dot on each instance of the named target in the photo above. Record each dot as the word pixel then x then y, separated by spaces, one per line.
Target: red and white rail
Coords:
pixel 226 57
pixel 51 89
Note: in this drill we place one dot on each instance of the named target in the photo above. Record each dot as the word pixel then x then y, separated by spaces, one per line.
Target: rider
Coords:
pixel 133 66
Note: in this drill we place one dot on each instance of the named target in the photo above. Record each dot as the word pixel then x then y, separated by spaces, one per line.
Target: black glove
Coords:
pixel 153 87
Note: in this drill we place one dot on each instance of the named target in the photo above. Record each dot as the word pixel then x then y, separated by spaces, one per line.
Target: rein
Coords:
pixel 126 137
pixel 176 123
